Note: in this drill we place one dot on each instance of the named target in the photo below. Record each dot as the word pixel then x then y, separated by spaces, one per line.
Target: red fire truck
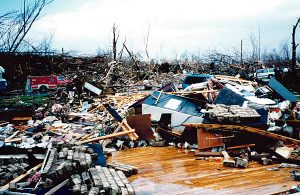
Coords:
pixel 44 83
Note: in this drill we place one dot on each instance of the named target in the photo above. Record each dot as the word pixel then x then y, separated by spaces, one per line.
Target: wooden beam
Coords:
pixel 247 129
pixel 12 136
pixel 240 146
pixel 125 127
pixel 192 92
pixel 13 140
pixel 107 136
pixel 230 78
pixel 86 136
pixel 94 109
pixel 20 177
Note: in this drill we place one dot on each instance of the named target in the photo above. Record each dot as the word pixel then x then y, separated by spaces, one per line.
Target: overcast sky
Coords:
pixel 175 25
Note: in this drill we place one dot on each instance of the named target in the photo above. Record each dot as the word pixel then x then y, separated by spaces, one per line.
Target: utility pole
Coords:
pixel 258 42
pixel 241 52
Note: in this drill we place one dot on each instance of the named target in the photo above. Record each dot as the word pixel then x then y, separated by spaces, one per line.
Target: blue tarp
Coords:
pixel 101 158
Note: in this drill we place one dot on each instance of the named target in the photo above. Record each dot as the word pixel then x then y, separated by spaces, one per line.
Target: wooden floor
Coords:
pixel 164 170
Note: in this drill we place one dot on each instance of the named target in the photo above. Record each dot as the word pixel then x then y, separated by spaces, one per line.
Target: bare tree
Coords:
pixel 254 45
pixel 115 41
pixel 45 43
pixel 294 46
pixel 15 25
pixel 285 51
pixel 146 41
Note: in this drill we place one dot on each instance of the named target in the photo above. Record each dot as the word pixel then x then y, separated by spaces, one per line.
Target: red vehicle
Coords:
pixel 44 83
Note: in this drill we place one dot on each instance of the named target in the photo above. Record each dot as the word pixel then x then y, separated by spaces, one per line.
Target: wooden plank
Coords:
pixel 94 109
pixel 86 136
pixel 245 128
pixel 13 140
pixel 20 177
pixel 192 92
pixel 125 127
pixel 107 136
pixel 12 136
pixel 22 118
pixel 294 123
pixel 230 78
pixel 240 146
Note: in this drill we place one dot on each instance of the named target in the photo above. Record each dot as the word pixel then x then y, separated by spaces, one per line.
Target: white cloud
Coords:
pixel 179 24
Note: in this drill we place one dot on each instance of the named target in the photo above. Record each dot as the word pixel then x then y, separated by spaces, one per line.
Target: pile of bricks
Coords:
pixel 127 169
pixel 233 113
pixel 101 180
pixel 11 168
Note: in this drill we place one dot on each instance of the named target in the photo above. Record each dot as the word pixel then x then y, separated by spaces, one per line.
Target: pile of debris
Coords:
pixel 65 144
pixel 233 113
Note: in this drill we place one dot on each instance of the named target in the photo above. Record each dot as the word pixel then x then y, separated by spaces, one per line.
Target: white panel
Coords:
pixel 177 118
pixel 173 104
pixel 92 88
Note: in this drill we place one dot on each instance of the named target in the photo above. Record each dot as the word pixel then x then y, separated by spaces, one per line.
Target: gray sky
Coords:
pixel 175 25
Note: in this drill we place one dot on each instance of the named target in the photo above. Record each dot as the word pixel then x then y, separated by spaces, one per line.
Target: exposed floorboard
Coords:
pixel 166 170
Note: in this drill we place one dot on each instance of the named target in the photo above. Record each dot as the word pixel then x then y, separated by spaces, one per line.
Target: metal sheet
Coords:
pixel 281 90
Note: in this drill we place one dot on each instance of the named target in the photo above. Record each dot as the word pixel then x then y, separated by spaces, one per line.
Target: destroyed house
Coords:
pixel 181 109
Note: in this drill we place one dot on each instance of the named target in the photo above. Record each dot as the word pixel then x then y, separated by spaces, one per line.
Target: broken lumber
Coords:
pixel 107 136
pixel 240 146
pixel 13 140
pixel 125 127
pixel 230 78
pixel 12 136
pixel 246 129
pixel 191 92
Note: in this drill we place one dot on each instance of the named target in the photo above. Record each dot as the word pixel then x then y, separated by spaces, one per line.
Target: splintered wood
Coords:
pixel 126 128
pixel 106 136
pixel 122 102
